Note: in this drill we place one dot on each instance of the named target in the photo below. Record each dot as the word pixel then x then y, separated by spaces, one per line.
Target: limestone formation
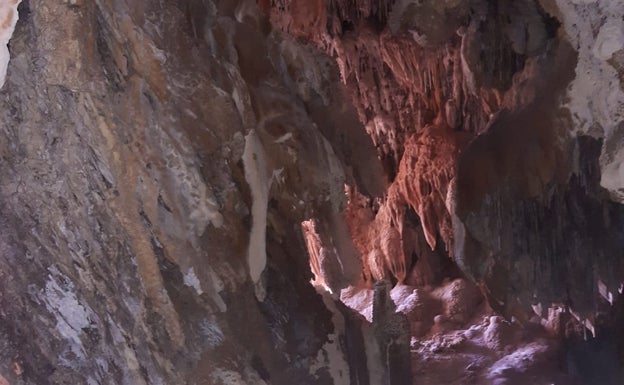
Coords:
pixel 311 192
pixel 392 331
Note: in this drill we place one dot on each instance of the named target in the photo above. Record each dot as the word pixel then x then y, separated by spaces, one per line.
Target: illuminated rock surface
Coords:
pixel 448 174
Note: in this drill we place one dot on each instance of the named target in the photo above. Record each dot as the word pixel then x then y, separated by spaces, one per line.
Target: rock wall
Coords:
pixel 492 146
pixel 167 167
pixel 157 161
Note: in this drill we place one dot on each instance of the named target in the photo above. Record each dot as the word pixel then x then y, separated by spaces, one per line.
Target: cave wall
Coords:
pixel 496 123
pixel 157 160
pixel 159 157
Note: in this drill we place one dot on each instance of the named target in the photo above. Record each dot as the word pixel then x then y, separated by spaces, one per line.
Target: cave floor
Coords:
pixel 457 339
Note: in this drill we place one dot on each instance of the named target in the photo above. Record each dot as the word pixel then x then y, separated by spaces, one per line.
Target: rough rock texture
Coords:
pixel 423 103
pixel 392 332
pixel 500 142
pixel 596 95
pixel 486 142
pixel 157 159
pixel 166 165
pixel 457 340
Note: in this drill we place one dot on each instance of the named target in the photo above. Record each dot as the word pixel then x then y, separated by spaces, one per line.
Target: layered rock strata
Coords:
pixel 157 159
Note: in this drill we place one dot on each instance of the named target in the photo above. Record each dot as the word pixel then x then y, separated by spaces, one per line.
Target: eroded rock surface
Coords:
pixel 482 143
pixel 173 176
pixel 157 159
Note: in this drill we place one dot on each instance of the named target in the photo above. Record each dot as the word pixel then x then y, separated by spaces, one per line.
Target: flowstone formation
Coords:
pixel 311 192
pixel 486 148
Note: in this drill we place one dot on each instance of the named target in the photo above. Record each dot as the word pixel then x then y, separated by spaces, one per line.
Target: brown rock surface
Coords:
pixel 157 159
pixel 164 166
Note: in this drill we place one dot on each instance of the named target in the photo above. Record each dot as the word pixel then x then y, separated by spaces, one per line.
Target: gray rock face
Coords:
pixel 157 159
pixel 392 331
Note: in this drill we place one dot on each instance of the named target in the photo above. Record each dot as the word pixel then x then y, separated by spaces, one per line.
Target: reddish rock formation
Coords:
pixel 493 89
pixel 467 120
pixel 420 105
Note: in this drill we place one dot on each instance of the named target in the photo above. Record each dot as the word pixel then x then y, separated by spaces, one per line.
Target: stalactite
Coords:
pixel 313 243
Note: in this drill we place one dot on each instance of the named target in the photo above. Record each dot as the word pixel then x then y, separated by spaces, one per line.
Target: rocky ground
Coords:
pixel 456 338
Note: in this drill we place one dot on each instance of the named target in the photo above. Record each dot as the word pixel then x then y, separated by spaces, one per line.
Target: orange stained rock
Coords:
pixel 378 237
pixel 424 180
pixel 308 16
pixel 427 169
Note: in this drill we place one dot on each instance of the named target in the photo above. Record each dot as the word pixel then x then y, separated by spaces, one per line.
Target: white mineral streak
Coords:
pixel 8 19
pixel 71 316
pixel 191 280
pixel 259 181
